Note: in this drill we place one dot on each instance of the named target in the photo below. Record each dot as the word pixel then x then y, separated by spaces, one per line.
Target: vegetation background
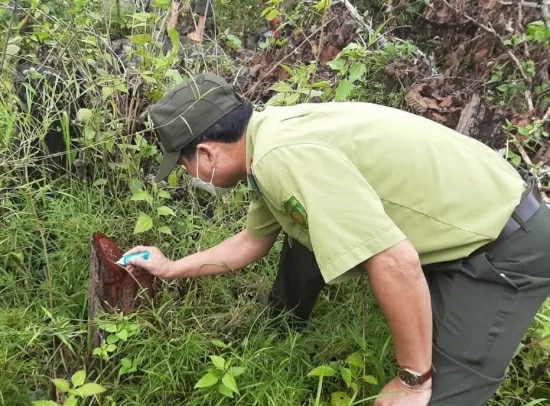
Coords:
pixel 77 153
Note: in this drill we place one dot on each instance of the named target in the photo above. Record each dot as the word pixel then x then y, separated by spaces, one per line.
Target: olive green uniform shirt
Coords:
pixel 349 180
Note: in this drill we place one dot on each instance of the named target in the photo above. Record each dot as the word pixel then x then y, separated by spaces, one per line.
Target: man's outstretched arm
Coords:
pixel 231 255
pixel 402 293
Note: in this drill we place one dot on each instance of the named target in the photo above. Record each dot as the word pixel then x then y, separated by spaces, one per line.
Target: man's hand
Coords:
pixel 157 264
pixel 397 394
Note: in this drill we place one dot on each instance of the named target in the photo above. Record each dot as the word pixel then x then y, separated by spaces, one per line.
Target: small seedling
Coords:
pixel 221 375
pixel 79 389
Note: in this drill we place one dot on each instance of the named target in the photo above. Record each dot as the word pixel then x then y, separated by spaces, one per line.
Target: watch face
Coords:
pixel 408 377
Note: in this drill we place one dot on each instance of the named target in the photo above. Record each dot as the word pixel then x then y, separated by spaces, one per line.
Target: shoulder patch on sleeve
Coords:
pixel 296 210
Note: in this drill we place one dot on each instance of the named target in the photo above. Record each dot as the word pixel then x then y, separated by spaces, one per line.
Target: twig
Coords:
pixel 545 10
pixel 528 161
pixel 5 51
pixel 521 30
pixel 490 30
pixel 546 337
pixel 546 115
pixel 259 81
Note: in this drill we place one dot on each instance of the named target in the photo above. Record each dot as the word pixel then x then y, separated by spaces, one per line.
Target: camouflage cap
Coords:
pixel 186 112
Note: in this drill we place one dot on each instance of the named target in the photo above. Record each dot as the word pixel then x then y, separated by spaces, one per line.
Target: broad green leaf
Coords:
pixel 83 115
pixel 111 347
pixel 106 92
pixel 322 84
pixel 346 375
pixel 165 230
pixel 144 223
pixel 140 39
pixel 44 403
pixel 281 87
pixel 175 38
pixel 174 75
pixel 219 343
pixel 236 371
pixel 370 379
pixel 344 89
pixel 12 49
pixel 356 359
pixel 340 399
pixel 110 328
pixel 78 378
pixel 142 16
pixel 163 194
pixel 357 70
pixel 229 381
pixel 337 64
pixel 218 361
pixel 161 3
pixel 225 391
pixel 121 87
pixel 123 335
pixel 112 339
pixel 88 389
pixel 126 363
pixel 503 88
pixel 61 384
pixel 173 179
pixel 71 401
pixel 165 211
pixel 207 381
pixel 272 14
pixel 324 370
pixel 142 195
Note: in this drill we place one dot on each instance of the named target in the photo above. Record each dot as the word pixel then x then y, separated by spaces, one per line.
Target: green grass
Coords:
pixel 173 343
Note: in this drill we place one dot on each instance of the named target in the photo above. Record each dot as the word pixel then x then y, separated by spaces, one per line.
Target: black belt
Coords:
pixel 526 209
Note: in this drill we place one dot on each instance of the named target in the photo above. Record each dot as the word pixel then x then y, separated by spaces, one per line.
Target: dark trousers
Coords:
pixel 203 7
pixel 482 306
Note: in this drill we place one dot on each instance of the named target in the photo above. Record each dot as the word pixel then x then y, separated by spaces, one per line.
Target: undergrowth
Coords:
pixel 76 154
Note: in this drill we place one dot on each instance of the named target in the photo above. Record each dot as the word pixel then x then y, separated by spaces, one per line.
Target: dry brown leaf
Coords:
pixel 431 103
pixel 481 54
pixel 328 53
pixel 255 69
pixel 439 118
pixel 488 4
pixel 415 100
pixel 447 102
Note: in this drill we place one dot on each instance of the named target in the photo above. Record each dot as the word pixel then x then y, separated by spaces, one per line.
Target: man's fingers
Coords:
pixel 138 262
pixel 139 248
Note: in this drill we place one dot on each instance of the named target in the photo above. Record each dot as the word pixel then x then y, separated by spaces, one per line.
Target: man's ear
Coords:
pixel 207 153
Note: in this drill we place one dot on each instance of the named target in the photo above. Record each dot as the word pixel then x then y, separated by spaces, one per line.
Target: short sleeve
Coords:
pixel 344 217
pixel 260 221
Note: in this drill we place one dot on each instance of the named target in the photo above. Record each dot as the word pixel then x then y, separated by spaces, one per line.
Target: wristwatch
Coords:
pixel 412 379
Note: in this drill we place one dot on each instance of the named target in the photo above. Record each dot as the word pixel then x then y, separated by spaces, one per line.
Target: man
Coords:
pixel 453 239
pixel 203 8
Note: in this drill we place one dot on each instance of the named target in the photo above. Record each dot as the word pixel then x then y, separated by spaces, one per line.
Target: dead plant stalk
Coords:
pixel 489 29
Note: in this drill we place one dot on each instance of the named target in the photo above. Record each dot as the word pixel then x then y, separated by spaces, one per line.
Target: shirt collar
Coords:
pixel 251 134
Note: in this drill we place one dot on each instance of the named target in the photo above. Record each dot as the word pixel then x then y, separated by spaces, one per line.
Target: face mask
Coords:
pixel 209 186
